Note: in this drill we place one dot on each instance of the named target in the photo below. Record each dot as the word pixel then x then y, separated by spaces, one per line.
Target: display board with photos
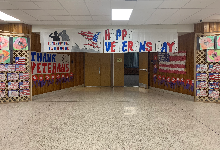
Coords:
pixel 15 69
pixel 207 61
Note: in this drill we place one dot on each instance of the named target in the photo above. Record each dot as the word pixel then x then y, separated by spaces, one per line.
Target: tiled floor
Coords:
pixel 109 119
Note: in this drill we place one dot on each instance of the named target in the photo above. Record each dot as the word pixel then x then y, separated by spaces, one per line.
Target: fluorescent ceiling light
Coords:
pixel 6 17
pixel 121 14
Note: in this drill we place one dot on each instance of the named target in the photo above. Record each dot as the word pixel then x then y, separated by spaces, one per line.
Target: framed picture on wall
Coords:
pixel 207 42
pixel 20 43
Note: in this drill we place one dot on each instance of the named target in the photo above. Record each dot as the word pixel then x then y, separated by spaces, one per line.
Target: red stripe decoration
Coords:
pixel 172 62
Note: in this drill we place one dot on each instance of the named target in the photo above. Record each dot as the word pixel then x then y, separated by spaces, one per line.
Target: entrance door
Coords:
pixel 97 69
pixel 143 70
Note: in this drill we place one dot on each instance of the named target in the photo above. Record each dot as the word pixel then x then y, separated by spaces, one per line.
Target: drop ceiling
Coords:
pixel 98 12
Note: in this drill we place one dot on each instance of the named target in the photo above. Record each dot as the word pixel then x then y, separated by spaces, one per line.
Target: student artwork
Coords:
pixel 20 60
pixel 187 86
pixel 201 93
pixel 155 68
pixel 13 93
pixel 173 82
pixel 63 78
pixel 218 42
pixel 213 85
pixel 24 93
pixel 172 62
pixel 35 80
pixel 201 68
pixel 2 77
pixel 182 82
pixel 4 56
pixel 2 93
pixel 4 43
pixel 24 85
pixel 52 79
pixel 2 85
pixel 47 79
pixel 67 77
pixel 201 76
pixel 41 81
pixel 163 80
pixel 24 76
pixel 213 55
pixel 12 76
pixel 201 84
pixel 213 76
pixel 167 82
pixel 9 67
pixel 155 79
pixel 192 85
pixel 214 68
pixel 20 67
pixel 213 94
pixel 20 43
pixel 58 80
pixel 2 67
pixel 206 42
pixel 71 76
pixel 178 82
pixel 12 85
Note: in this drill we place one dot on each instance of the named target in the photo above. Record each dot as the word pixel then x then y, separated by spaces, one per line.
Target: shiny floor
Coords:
pixel 109 119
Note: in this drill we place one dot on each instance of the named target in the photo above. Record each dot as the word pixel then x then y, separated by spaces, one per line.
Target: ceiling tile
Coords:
pixel 45 18
pixel 198 3
pixel 123 5
pixel 57 12
pixel 173 4
pixel 147 4
pixel 49 5
pixel 215 4
pixel 52 22
pixel 103 22
pixel 100 11
pixel 73 5
pixel 63 18
pixel 102 18
pixel 85 23
pixel 36 12
pixel 78 11
pixel 7 5
pixel 82 18
pixel 24 5
pixel 121 22
pixel 69 23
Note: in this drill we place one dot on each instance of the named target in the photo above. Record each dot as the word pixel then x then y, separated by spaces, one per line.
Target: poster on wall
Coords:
pixel 201 84
pixel 24 76
pixel 206 42
pixel 13 93
pixel 2 85
pixel 2 93
pixel 2 76
pixel 24 85
pixel 47 63
pixel 12 76
pixel 214 68
pixel 213 55
pixel 213 94
pixel 111 40
pixel 4 43
pixel 4 56
pixel 201 93
pixel 201 68
pixel 213 85
pixel 12 85
pixel 20 43
pixel 24 93
pixel 201 76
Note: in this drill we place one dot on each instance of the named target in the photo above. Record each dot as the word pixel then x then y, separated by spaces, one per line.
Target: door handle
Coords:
pixel 143 69
pixel 99 70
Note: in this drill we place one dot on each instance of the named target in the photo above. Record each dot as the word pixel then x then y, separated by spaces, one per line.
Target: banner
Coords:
pixel 109 40
pixel 48 63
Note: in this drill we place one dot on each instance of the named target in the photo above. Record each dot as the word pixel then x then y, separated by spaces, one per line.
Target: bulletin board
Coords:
pixel 15 69
pixel 207 67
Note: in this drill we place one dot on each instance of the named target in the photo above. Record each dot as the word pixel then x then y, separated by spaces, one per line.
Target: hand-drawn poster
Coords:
pixel 213 55
pixel 206 42
pixel 2 85
pixel 2 93
pixel 214 68
pixel 4 43
pixel 12 85
pixel 201 67
pixel 2 76
pixel 20 43
pixel 201 76
pixel 13 93
pixel 213 85
pixel 12 76
pixel 24 76
pixel 4 56
pixel 20 67
pixel 213 94
pixel 24 85
pixel 201 84
pixel 24 93
pixel 201 93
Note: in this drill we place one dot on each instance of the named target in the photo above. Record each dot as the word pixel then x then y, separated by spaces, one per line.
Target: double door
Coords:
pixel 97 69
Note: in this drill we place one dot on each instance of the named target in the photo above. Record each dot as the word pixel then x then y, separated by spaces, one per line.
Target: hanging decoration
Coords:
pixel 155 78
pixel 52 79
pixel 71 76
pixel 163 80
pixel 58 80
pixel 178 83
pixel 167 82
pixel 67 77
pixel 182 82
pixel 63 78
pixel 47 78
pixel 35 80
pixel 192 85
pixel 41 82
pixel 173 82
pixel 155 68
pixel 187 86
pixel 159 79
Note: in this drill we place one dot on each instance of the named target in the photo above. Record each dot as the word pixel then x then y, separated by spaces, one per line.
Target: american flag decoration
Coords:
pixel 201 84
pixel 20 60
pixel 2 93
pixel 20 68
pixel 172 62
pixel 201 76
pixel 24 85
pixel 213 76
pixel 214 68
pixel 9 67
pixel 201 68
pixel 12 76
pixel 13 93
pixel 24 92
pixel 2 77
pixel 2 67
pixel 213 85
pixel 201 93
pixel 24 76
pixel 2 85
pixel 213 94
pixel 12 85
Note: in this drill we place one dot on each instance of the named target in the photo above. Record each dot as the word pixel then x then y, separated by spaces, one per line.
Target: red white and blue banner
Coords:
pixel 109 40
pixel 49 63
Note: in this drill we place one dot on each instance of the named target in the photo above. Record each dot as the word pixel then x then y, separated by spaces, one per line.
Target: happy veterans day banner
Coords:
pixel 109 40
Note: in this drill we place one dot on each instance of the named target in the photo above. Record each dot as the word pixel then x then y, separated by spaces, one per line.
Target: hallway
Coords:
pixel 105 118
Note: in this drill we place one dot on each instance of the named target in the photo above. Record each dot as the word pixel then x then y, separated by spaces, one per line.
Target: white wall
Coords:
pixel 180 28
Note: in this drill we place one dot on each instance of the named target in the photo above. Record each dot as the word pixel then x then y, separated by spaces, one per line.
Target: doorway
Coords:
pixel 131 69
